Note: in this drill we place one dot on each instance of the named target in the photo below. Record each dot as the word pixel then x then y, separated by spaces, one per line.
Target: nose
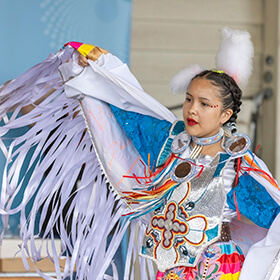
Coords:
pixel 193 108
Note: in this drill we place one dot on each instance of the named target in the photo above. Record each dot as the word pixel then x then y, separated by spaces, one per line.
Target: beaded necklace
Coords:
pixel 199 143
pixel 208 140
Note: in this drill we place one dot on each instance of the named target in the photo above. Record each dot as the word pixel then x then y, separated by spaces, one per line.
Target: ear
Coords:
pixel 226 114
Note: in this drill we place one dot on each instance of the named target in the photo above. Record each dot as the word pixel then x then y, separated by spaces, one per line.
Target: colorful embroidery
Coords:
pixel 221 261
pixel 176 273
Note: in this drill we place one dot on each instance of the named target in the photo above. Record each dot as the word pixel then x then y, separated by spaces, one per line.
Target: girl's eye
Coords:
pixel 188 99
pixel 204 104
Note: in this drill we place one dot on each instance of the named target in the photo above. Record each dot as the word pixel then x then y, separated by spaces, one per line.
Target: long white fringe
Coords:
pixel 63 177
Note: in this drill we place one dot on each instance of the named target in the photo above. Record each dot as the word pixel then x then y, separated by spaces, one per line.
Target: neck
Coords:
pixel 213 149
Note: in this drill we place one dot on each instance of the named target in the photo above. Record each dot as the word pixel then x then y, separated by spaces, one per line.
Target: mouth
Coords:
pixel 191 122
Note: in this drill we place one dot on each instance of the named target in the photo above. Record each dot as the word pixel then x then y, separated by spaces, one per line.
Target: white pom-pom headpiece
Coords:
pixel 235 55
pixel 181 80
pixel 234 58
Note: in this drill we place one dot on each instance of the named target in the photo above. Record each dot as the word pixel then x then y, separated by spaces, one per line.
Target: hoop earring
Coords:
pixel 238 144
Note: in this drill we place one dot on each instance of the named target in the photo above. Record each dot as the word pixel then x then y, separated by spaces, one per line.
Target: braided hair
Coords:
pixel 230 95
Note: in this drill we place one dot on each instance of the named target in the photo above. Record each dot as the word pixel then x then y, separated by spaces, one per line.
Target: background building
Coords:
pixel 168 35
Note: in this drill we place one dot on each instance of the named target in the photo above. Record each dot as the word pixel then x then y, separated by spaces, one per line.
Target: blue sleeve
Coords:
pixel 253 201
pixel 147 133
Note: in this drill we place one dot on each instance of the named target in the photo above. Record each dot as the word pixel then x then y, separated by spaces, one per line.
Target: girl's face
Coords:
pixel 202 111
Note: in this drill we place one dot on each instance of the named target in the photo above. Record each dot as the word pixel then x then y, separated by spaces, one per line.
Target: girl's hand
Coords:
pixel 82 61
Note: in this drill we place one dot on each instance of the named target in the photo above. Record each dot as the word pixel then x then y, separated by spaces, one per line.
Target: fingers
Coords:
pixel 82 61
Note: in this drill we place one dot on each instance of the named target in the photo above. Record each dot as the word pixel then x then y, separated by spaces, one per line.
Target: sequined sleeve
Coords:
pixel 256 198
pixel 147 133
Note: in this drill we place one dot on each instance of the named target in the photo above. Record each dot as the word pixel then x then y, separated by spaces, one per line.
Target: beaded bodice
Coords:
pixel 189 220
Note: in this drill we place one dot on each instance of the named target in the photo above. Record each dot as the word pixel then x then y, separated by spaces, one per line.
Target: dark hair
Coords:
pixel 230 93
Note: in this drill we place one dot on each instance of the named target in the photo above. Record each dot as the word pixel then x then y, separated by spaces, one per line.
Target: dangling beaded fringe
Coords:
pixel 195 152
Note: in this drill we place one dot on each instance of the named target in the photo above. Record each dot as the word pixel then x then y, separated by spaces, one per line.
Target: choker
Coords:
pixel 209 140
pixel 183 140
pixel 237 145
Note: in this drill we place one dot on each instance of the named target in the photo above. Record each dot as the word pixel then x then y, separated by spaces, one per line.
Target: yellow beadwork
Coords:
pixel 218 71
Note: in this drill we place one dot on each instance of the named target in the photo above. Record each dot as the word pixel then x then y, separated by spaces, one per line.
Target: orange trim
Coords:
pixel 149 194
pixel 236 205
pixel 177 255
pixel 155 251
pixel 133 164
pixel 262 173
pixel 204 235
pixel 187 194
pixel 184 212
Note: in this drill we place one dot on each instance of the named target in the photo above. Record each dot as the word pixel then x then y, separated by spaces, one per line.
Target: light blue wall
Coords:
pixel 31 29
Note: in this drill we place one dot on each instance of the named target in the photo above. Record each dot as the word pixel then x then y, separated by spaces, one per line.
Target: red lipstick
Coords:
pixel 191 122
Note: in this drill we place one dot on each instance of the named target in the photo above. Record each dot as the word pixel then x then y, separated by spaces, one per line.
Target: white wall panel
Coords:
pixel 152 68
pixel 168 35
pixel 240 11
pixel 184 36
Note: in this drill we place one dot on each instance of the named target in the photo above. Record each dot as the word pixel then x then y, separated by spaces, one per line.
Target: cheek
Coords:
pixel 185 109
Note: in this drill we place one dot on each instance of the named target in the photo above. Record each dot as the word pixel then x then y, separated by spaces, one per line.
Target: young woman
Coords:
pixel 213 100
pixel 185 181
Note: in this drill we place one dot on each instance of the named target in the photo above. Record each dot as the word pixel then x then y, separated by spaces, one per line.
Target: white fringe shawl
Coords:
pixel 59 144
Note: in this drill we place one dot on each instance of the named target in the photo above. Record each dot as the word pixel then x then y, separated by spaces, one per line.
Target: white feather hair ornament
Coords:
pixel 181 80
pixel 234 58
pixel 235 55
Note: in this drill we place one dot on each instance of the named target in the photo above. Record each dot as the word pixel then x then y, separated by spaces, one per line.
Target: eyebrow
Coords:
pixel 203 98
